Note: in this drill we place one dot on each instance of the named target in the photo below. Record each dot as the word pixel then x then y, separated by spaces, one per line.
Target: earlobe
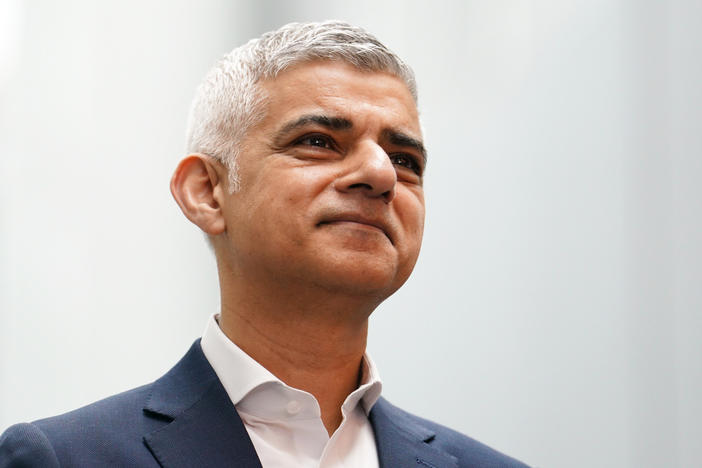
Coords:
pixel 196 186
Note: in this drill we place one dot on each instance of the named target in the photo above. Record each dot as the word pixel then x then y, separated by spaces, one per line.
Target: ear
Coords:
pixel 197 186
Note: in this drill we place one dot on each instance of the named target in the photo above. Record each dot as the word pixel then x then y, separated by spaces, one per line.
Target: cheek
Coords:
pixel 412 215
pixel 304 187
pixel 286 212
pixel 413 223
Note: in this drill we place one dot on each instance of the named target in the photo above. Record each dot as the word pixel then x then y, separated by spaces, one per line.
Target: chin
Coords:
pixel 374 279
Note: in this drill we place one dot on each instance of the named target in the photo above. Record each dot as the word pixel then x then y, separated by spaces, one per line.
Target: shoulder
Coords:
pixel 82 436
pixel 467 451
pixel 110 432
pixel 26 445
pixel 117 413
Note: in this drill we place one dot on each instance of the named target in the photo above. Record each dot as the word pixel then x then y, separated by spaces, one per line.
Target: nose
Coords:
pixel 369 172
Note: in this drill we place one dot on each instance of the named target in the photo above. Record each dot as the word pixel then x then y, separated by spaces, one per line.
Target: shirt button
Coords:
pixel 293 407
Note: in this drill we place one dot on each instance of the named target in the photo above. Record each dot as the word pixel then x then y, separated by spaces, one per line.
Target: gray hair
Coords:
pixel 229 102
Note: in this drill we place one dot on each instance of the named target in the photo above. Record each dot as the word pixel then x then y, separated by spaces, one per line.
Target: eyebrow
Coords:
pixel 402 139
pixel 332 123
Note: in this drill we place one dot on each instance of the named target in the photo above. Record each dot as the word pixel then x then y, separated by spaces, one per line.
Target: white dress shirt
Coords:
pixel 285 423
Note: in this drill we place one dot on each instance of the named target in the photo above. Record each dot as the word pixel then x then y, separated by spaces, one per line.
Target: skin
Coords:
pixel 327 222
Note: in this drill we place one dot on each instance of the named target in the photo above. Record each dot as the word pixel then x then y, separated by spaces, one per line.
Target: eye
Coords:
pixel 319 141
pixel 407 161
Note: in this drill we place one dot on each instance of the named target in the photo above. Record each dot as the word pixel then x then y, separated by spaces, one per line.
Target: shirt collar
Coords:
pixel 246 381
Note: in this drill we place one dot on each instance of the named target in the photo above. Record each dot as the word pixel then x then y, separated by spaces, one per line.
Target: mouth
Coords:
pixel 359 222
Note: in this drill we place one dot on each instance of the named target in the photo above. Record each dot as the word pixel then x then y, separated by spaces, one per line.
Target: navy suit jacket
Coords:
pixel 185 419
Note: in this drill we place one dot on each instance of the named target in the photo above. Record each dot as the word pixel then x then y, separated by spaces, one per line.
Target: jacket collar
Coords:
pixel 402 441
pixel 204 429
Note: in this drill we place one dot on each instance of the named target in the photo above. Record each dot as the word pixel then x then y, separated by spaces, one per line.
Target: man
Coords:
pixel 305 171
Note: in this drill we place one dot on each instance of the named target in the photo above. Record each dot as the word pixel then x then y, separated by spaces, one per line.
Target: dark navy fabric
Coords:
pixel 185 419
pixel 405 440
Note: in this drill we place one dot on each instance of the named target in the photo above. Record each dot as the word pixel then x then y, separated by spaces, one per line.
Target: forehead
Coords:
pixel 340 90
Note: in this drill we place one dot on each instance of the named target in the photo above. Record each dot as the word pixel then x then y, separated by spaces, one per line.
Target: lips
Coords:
pixel 357 218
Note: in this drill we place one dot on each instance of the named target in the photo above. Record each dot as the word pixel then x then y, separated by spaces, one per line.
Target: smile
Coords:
pixel 356 222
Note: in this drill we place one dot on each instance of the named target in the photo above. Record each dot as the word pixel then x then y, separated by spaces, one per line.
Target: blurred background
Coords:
pixel 556 309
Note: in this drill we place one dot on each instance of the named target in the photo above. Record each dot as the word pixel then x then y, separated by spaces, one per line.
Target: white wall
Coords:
pixel 556 309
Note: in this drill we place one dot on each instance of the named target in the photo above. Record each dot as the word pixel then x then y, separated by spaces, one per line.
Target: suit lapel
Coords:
pixel 402 442
pixel 203 428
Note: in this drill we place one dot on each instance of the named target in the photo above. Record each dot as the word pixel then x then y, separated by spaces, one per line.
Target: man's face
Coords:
pixel 331 184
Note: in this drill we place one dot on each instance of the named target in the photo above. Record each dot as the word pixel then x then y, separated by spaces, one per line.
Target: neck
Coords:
pixel 313 342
